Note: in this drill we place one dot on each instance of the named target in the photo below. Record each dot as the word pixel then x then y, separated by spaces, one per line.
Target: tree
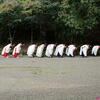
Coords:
pixel 49 20
pixel 9 20
pixel 79 16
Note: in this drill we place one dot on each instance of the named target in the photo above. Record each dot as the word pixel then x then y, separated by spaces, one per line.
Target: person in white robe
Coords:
pixel 31 50
pixel 17 50
pixel 95 50
pixel 6 50
pixel 50 50
pixel 39 52
pixel 59 51
pixel 84 50
pixel 70 50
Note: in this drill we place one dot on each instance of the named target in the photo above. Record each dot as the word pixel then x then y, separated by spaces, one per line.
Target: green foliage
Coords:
pixel 40 20
pixel 80 16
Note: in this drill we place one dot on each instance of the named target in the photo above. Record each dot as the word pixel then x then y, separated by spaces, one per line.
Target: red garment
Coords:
pixel 5 54
pixel 15 54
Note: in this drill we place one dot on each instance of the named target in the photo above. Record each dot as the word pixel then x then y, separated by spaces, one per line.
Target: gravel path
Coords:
pixel 49 78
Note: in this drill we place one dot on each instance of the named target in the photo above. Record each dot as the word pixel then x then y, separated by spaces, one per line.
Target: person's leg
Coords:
pixel 85 53
pixel 72 53
pixel 81 52
pixel 95 53
pixel 58 54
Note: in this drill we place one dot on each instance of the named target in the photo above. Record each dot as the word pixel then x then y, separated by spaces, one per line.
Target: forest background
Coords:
pixel 50 21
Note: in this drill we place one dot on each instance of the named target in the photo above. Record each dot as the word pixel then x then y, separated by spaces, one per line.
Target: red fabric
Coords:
pixel 15 54
pixel 5 54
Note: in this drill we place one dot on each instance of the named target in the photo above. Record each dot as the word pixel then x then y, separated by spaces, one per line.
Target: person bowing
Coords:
pixel 59 51
pixel 84 50
pixel 6 50
pixel 17 50
pixel 70 50
pixel 50 50
pixel 40 49
pixel 95 50
pixel 31 50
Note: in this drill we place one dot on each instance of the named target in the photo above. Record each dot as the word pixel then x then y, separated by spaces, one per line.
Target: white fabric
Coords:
pixel 49 50
pixel 39 51
pixel 59 50
pixel 6 49
pixel 83 50
pixel 31 50
pixel 95 50
pixel 17 48
pixel 70 50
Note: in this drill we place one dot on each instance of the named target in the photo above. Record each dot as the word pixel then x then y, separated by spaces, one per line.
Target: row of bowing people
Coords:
pixel 50 50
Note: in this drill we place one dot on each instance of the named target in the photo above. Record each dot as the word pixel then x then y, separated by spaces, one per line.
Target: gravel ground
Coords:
pixel 49 78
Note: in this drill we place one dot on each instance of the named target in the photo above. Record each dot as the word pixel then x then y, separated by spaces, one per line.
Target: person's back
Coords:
pixel 40 49
pixel 49 50
pixel 31 50
pixel 95 50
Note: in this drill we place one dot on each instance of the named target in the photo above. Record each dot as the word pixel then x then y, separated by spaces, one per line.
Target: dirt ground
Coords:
pixel 50 78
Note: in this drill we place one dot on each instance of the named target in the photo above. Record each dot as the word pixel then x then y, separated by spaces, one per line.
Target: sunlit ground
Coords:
pixel 49 78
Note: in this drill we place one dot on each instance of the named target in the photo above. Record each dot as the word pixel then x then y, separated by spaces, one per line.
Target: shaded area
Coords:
pixel 50 21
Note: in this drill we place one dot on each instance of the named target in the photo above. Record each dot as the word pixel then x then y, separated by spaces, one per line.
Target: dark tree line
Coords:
pixel 61 21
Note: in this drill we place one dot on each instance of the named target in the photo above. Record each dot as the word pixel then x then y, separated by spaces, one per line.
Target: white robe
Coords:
pixel 83 50
pixel 95 50
pixel 31 50
pixel 49 50
pixel 6 49
pixel 59 50
pixel 39 51
pixel 70 50
pixel 17 49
